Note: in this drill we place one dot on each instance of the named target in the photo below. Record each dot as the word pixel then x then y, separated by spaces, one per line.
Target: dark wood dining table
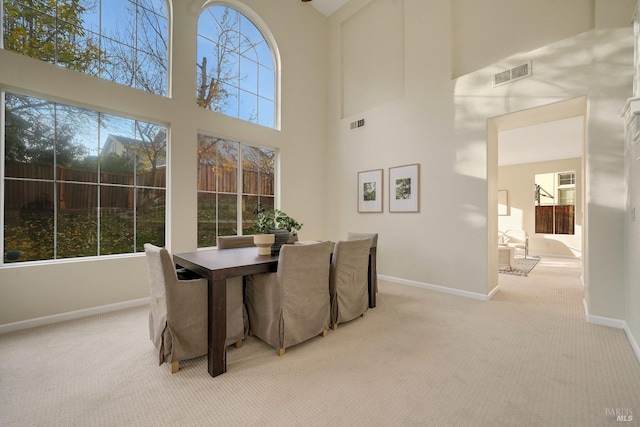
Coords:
pixel 219 265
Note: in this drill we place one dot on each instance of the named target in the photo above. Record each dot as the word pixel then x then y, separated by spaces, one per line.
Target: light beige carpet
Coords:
pixel 421 358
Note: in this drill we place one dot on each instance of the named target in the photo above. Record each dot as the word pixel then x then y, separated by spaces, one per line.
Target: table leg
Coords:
pixel 373 278
pixel 217 354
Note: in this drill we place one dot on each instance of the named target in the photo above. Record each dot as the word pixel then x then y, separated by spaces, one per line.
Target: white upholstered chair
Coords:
pixel 517 239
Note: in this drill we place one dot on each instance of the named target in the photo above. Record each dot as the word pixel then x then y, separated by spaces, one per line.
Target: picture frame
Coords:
pixel 404 188
pixel 503 203
pixel 370 191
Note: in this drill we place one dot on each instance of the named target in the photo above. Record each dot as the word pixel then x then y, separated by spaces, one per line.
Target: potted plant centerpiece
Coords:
pixel 286 230
pixel 263 228
pixel 276 223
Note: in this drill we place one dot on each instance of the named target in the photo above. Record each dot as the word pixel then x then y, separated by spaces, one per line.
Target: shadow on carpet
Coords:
pixel 523 266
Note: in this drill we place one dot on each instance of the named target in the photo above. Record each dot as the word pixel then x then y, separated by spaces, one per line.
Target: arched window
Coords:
pixel 235 67
pixel 124 41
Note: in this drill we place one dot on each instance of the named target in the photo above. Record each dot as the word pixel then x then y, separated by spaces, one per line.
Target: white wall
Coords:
pixel 443 125
pixel 34 290
pixel 518 180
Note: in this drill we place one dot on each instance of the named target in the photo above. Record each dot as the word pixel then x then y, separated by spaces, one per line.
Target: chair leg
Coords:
pixel 175 366
pixel 364 314
pixel 324 333
pixel 238 343
pixel 281 352
pixel 334 326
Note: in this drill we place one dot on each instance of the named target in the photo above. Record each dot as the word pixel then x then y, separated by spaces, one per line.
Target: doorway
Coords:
pixel 521 145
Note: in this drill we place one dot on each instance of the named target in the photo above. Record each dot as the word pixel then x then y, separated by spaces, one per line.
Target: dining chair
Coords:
pixel 178 318
pixel 177 312
pixel 373 255
pixel 349 280
pixel 237 318
pixel 291 305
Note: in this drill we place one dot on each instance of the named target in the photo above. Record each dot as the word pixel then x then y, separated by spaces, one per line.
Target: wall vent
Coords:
pixel 516 73
pixel 356 125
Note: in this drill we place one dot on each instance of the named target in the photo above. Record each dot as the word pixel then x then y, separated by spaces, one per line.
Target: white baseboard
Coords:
pixel 632 341
pixel 443 289
pixel 55 318
pixel 613 323
pixel 604 321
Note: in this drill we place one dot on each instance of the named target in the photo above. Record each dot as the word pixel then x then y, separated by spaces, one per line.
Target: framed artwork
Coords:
pixel 404 188
pixel 503 203
pixel 370 191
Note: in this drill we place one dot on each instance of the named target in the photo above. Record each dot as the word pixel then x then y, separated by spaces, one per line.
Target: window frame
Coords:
pixel 56 181
pixel 102 39
pixel 240 194
pixel 270 41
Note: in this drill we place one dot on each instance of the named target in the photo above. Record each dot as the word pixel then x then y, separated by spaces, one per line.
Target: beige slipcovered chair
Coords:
pixel 292 305
pixel 373 254
pixel 178 318
pixel 230 242
pixel 348 281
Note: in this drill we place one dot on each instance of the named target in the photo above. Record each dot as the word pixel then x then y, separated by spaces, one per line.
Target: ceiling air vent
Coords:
pixel 356 125
pixel 516 73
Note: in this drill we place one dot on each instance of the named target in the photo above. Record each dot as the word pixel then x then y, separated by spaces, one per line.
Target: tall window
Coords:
pixel 80 183
pixel 124 41
pixel 233 180
pixel 235 67
pixel 555 198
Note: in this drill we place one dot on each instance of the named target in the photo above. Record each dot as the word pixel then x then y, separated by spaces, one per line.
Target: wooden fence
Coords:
pixel 563 217
pixel 117 190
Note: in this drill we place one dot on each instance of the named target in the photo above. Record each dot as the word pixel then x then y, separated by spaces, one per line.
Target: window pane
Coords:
pixel 150 217
pixel 77 231
pixel 266 115
pixel 248 75
pixel 248 106
pixel 94 35
pixel 43 202
pixel 76 144
pixel 116 220
pixel 233 48
pixel 266 88
pixel 28 31
pixel 250 205
pixel 150 151
pixel 28 220
pixel 264 55
pixel 217 189
pixel 115 19
pixel 29 136
pixel 207 214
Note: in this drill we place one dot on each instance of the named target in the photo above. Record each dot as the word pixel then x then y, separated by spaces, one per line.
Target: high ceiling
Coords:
pixel 327 7
pixel 560 139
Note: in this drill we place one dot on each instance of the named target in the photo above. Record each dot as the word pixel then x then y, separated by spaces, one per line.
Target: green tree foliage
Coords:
pixel 52 31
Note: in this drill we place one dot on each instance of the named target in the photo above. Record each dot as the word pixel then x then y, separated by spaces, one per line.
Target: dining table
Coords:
pixel 219 265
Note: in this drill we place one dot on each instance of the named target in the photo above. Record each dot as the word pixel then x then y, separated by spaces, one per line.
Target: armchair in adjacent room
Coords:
pixel 517 239
pixel 292 305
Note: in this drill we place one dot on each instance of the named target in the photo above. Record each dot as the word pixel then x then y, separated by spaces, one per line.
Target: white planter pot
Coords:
pixel 264 242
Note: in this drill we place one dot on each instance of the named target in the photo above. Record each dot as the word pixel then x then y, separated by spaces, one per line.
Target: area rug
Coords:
pixel 523 266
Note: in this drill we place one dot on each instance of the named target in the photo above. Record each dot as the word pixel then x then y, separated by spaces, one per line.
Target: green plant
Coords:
pixel 274 220
pixel 284 221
